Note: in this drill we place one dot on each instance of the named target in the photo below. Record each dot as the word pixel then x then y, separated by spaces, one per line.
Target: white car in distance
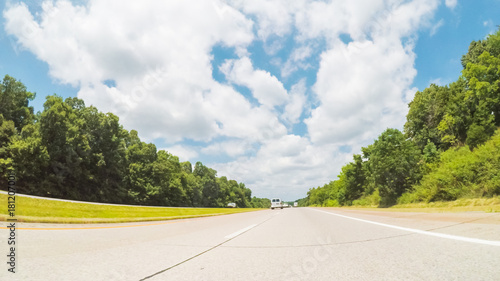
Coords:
pixel 276 203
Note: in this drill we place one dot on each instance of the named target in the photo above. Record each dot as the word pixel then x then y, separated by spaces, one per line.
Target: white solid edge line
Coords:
pixel 424 232
pixel 240 231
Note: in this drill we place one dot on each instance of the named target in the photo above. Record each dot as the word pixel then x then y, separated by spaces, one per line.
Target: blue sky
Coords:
pixel 274 94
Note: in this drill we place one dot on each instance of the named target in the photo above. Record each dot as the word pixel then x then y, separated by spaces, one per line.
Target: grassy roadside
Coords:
pixel 488 205
pixel 50 211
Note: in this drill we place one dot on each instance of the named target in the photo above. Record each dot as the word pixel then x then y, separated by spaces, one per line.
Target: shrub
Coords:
pixel 461 173
pixel 370 200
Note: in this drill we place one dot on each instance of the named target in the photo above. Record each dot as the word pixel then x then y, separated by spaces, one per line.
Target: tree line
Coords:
pixel 73 151
pixel 450 147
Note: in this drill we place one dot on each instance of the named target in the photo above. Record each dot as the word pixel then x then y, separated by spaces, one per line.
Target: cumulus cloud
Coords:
pixel 297 101
pixel 158 56
pixel 238 118
pixel 362 85
pixel 297 60
pixel 266 88
pixel 184 153
pixel 157 53
pixel 273 17
pixel 287 167
pixel 231 148
pixel 357 87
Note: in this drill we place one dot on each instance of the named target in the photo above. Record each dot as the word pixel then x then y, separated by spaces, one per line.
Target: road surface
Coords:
pixel 289 244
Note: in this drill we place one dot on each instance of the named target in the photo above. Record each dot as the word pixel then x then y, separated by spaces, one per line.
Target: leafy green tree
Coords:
pixel 207 177
pixel 473 113
pixel 303 202
pixel 224 192
pixel 66 147
pixel 15 113
pixel 355 179
pixel 139 176
pixel 316 196
pixel 167 175
pixel 395 165
pixel 76 152
pixel 244 196
pixel 453 125
pixel 85 149
pixel 477 48
pixel 483 98
pixel 260 202
pixel 194 190
pixel 32 161
pixel 463 115
pixel 7 136
pixel 105 160
pixel 426 111
pixel 187 167
pixel 461 173
pixel 336 192
pixel 430 153
pixel 14 100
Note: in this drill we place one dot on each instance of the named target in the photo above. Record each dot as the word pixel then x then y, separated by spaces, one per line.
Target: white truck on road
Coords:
pixel 276 203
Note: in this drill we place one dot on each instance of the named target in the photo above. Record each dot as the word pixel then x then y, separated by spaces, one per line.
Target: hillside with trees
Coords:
pixel 450 147
pixel 73 151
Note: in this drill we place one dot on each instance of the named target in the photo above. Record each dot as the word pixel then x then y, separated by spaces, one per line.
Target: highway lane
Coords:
pixel 296 244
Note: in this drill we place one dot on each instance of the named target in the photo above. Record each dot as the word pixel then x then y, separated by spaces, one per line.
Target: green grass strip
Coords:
pixel 489 205
pixel 51 211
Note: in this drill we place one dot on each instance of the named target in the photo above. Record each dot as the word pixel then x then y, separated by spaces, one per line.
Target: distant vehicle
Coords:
pixel 295 204
pixel 285 205
pixel 231 205
pixel 276 203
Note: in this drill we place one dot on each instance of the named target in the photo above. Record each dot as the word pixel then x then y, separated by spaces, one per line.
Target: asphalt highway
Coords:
pixel 289 244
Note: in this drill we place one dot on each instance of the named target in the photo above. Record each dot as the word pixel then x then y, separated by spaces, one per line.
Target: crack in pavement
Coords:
pixel 321 245
pixel 206 251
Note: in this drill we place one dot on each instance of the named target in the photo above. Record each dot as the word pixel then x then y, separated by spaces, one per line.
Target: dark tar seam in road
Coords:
pixel 216 246
pixel 322 245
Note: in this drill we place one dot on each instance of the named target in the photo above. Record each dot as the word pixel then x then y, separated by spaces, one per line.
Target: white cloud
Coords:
pixel 231 148
pixel 266 88
pixel 110 40
pixel 183 152
pixel 297 60
pixel 357 87
pixel 436 27
pixel 286 167
pixel 158 53
pixel 437 81
pixel 362 86
pixel 273 17
pixel 239 119
pixel 450 3
pixel 487 23
pixel 297 101
pixel 330 19
pixel 491 26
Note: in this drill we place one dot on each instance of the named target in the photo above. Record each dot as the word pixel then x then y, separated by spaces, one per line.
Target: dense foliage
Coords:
pixel 461 173
pixel 449 148
pixel 75 152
